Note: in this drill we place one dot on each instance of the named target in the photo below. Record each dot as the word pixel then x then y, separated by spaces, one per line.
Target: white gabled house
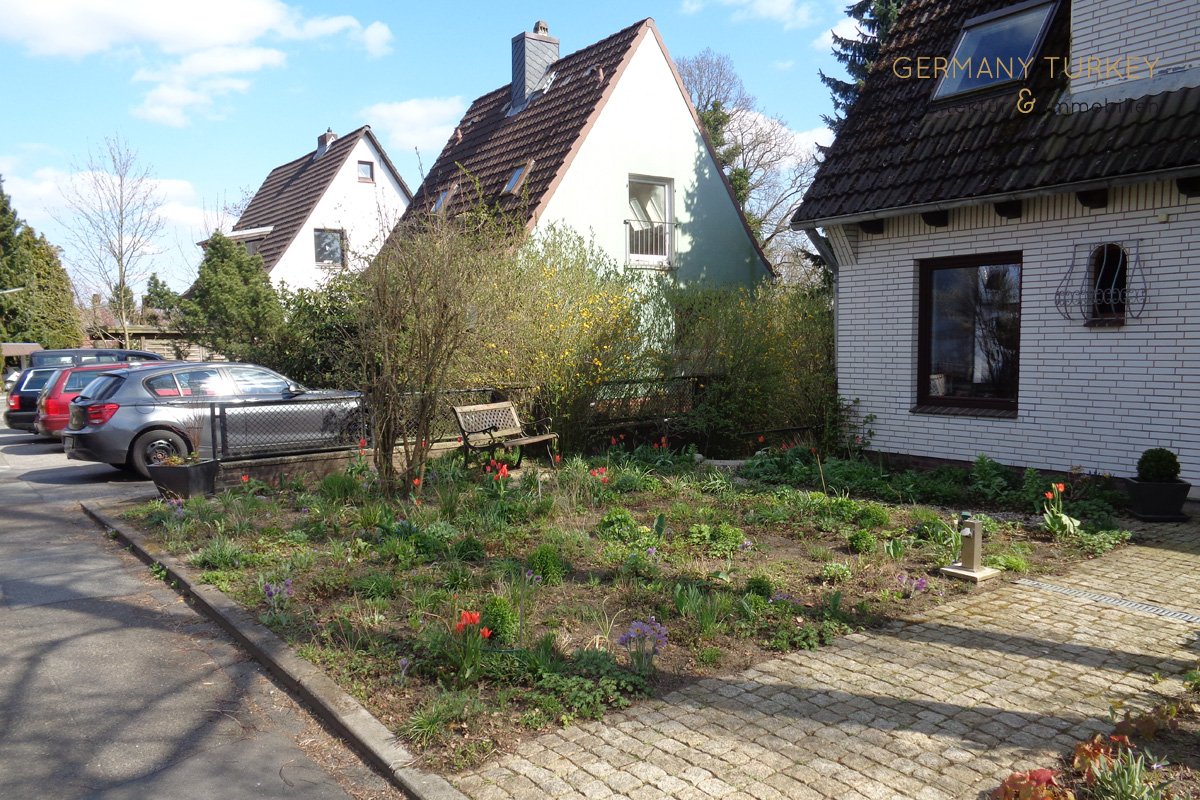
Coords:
pixel 605 141
pixel 1016 249
pixel 314 216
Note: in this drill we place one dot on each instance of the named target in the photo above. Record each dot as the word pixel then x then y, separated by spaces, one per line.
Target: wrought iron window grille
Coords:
pixel 1105 284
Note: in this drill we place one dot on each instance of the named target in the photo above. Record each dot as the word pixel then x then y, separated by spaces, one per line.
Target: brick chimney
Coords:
pixel 532 55
pixel 323 142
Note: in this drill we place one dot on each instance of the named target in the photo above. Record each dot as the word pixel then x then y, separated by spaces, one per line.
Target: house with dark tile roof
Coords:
pixel 606 142
pixel 1012 207
pixel 324 211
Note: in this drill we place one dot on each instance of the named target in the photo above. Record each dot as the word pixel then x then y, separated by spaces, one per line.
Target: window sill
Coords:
pixel 661 266
pixel 964 411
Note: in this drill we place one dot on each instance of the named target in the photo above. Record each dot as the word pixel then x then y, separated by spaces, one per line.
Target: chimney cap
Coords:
pixel 541 28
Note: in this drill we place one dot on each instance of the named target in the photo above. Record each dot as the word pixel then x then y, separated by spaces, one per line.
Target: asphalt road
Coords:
pixel 110 685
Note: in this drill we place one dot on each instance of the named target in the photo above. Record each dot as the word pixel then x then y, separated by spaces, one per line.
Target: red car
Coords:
pixel 54 402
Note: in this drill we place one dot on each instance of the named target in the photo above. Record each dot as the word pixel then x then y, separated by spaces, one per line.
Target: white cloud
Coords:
pixel 808 140
pixel 377 39
pixel 783 65
pixel 188 43
pixel 847 29
pixel 424 123
pixel 789 13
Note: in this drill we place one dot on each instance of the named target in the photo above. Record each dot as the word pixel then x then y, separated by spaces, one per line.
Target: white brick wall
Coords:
pixel 1094 397
pixel 1167 30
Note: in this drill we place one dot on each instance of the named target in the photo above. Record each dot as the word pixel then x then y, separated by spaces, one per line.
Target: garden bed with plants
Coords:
pixel 492 604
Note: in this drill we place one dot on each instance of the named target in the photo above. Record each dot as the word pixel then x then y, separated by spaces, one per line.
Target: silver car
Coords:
pixel 137 416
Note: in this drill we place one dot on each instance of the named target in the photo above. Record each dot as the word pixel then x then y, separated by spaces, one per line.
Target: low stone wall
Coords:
pixel 308 467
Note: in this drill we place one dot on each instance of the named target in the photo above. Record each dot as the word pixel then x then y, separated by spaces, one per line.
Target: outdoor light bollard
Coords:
pixel 970 558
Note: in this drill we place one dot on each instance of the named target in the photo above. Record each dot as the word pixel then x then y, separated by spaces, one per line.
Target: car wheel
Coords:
pixel 153 447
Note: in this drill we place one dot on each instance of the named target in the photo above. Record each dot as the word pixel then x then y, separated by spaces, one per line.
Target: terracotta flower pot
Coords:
pixel 185 480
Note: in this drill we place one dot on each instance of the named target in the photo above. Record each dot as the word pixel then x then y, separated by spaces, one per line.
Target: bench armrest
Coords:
pixel 544 423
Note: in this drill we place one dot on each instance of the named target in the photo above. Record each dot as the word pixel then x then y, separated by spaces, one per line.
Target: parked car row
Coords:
pixel 132 415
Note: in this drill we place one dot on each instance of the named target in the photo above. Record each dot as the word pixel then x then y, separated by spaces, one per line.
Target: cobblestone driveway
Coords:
pixel 943 706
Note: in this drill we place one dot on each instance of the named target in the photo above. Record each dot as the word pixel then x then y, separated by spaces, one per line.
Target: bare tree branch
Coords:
pixel 115 209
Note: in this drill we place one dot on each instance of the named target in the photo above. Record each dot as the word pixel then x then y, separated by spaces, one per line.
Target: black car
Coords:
pixel 78 356
pixel 22 400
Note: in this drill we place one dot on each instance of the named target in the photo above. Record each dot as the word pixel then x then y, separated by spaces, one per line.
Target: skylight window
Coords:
pixel 518 178
pixel 443 197
pixel 995 49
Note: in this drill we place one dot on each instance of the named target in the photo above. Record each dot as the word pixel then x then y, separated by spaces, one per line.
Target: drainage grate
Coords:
pixel 1112 601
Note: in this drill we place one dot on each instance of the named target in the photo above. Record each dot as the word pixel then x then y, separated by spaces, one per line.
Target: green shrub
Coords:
pixel 989 480
pixel 1158 465
pixel 379 585
pixel 499 615
pixel 469 549
pixel 708 656
pixel 760 585
pixel 618 525
pixel 718 540
pixel 220 553
pixel 546 560
pixel 753 605
pixel 872 515
pixel 835 572
pixel 338 487
pixel 862 541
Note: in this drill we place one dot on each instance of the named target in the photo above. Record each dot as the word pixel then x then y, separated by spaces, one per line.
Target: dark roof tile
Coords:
pixel 898 148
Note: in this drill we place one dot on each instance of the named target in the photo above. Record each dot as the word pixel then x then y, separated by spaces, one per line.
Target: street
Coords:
pixel 110 685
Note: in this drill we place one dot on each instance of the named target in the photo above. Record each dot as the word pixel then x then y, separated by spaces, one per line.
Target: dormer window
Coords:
pixel 366 172
pixel 996 48
pixel 517 179
pixel 443 198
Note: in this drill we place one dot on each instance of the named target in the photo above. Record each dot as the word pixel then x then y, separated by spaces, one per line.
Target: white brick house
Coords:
pixel 1024 284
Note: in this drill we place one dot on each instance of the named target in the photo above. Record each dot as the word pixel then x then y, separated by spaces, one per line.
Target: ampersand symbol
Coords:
pixel 1026 101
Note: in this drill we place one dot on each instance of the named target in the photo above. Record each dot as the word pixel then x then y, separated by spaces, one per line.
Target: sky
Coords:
pixel 211 96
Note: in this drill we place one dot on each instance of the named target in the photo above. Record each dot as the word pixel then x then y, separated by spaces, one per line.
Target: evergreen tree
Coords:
pixel 43 311
pixel 875 19
pixel 232 307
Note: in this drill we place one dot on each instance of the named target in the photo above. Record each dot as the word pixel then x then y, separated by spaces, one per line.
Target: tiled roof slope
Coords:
pixel 290 193
pixel 898 150
pixel 493 145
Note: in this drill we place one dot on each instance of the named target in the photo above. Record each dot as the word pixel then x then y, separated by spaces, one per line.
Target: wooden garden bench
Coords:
pixel 488 426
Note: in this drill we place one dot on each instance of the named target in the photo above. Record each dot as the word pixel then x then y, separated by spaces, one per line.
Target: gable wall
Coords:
pixel 647 129
pixel 365 211
pixel 1095 397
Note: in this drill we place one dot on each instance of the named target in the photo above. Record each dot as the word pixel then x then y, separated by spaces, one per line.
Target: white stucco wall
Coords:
pixel 367 212
pixel 646 129
pixel 1094 397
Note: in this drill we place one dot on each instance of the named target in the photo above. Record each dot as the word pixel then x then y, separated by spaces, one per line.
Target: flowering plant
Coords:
pixel 498 470
pixel 278 597
pixel 643 640
pixel 910 585
pixel 1057 521
pixel 465 650
pixel 1036 784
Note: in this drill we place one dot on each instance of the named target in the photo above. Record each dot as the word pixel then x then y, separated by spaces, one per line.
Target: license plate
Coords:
pixel 68 444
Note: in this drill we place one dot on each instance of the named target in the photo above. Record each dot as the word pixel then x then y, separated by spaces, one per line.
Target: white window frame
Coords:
pixel 638 217
pixel 370 177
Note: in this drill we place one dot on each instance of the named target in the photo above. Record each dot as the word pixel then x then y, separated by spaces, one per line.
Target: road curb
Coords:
pixel 341 712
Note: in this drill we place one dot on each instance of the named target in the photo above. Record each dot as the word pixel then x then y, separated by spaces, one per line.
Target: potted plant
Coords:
pixel 186 475
pixel 1157 494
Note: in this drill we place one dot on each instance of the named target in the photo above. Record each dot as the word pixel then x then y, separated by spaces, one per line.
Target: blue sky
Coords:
pixel 213 95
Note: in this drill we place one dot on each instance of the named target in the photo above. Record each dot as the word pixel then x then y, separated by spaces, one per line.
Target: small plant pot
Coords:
pixel 1158 502
pixel 185 480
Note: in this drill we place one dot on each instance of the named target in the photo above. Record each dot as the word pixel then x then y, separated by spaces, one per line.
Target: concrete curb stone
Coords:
pixel 340 711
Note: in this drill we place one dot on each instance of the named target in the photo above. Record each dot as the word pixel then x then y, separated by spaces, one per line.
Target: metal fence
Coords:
pixel 287 427
pixel 309 424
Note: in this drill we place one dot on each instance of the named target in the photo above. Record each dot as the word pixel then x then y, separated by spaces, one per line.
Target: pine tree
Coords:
pixel 875 19
pixel 232 307
pixel 43 310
